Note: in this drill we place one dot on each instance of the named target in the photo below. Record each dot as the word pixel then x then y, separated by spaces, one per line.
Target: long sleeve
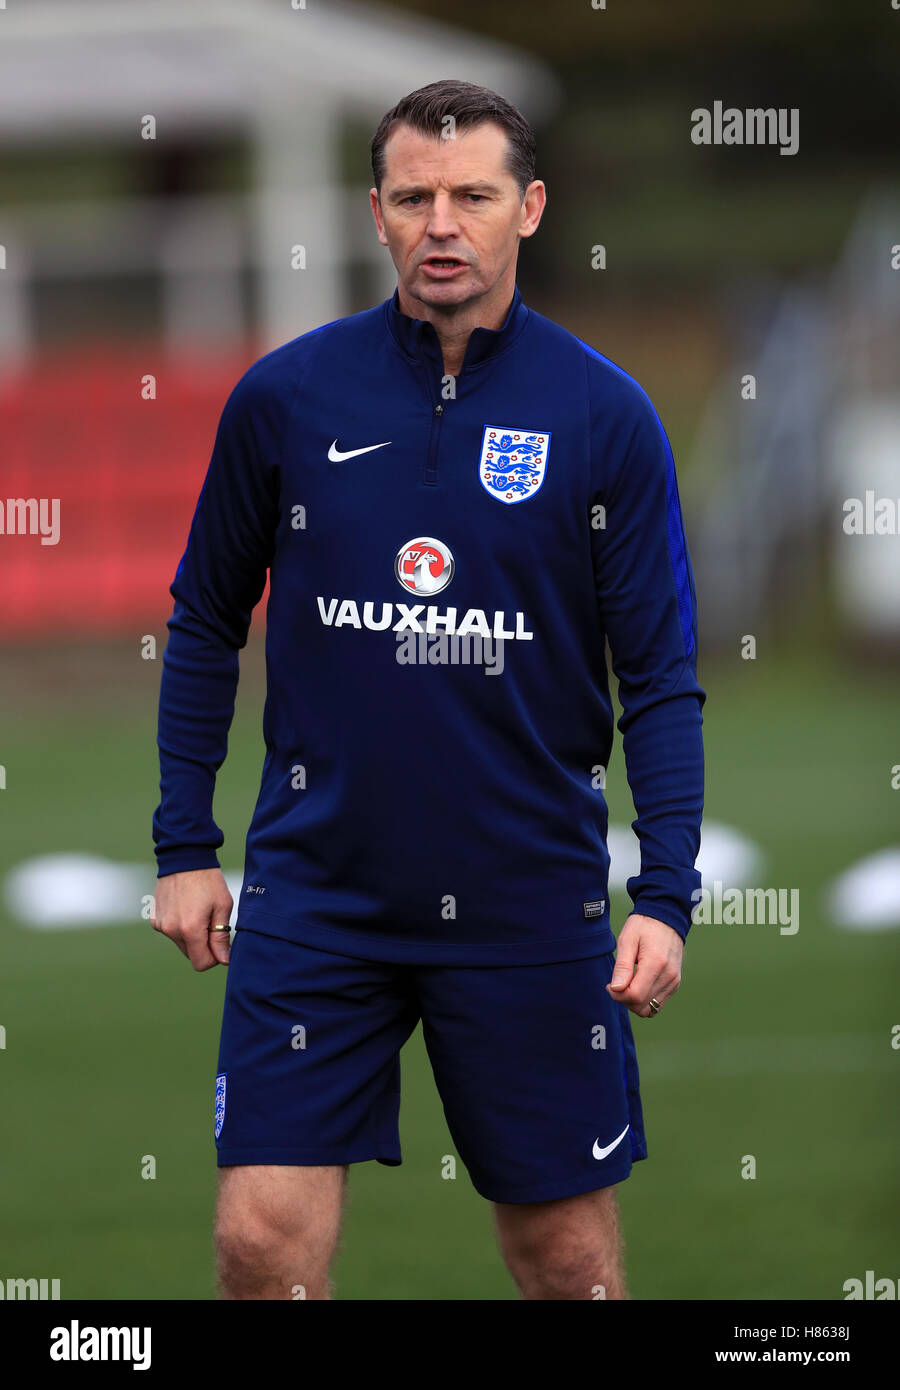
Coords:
pixel 645 588
pixel 219 580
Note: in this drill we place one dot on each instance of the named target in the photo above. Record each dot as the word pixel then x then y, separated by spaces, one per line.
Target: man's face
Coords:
pixel 451 214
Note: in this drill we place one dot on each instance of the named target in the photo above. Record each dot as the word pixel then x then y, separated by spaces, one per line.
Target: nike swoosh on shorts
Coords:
pixel 601 1153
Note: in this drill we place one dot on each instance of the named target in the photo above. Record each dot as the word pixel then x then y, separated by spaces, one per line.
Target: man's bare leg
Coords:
pixel 569 1248
pixel 276 1230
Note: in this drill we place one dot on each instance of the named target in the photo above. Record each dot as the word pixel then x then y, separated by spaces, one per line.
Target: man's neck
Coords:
pixel 454 324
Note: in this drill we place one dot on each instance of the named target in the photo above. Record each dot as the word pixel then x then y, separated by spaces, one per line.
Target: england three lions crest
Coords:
pixel 513 462
pixel 220 1102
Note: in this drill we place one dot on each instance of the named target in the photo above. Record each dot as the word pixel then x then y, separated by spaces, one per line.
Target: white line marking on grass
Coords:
pixel 784 1056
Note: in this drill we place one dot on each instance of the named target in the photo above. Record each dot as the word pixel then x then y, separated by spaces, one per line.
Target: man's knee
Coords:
pixel 569 1248
pixel 275 1232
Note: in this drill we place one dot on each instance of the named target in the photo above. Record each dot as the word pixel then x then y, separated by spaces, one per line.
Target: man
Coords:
pixel 447 472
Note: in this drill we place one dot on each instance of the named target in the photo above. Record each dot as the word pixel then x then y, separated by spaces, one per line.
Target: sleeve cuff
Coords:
pixel 664 912
pixel 183 859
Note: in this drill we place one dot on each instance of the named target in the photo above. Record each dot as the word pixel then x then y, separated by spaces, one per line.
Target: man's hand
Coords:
pixel 185 906
pixel 648 964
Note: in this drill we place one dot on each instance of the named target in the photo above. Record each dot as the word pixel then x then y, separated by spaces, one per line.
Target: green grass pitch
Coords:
pixel 777 1046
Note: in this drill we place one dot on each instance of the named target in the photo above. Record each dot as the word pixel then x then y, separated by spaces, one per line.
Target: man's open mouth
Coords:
pixel 443 262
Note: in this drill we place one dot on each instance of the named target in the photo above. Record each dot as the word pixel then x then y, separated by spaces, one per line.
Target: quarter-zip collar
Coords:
pixel 418 339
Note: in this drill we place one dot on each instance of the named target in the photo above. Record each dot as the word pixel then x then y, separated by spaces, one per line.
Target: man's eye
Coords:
pixel 479 197
pixel 413 197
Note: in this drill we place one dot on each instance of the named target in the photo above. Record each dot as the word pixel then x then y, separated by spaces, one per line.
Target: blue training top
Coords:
pixel 448 557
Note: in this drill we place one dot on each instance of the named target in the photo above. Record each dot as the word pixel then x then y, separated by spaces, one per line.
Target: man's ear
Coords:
pixel 375 205
pixel 534 202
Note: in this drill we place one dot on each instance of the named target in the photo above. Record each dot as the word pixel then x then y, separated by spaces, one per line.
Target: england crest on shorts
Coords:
pixel 220 1102
pixel 513 462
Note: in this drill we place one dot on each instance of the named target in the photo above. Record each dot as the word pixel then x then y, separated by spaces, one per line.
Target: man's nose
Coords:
pixel 443 221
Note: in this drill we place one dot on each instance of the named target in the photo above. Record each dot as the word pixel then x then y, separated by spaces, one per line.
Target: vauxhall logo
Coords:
pixel 423 566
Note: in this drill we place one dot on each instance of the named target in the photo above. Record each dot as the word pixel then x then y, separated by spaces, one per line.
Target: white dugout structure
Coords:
pixel 283 77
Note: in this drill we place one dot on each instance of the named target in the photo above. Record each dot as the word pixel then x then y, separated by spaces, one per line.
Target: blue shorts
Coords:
pixel 535 1065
